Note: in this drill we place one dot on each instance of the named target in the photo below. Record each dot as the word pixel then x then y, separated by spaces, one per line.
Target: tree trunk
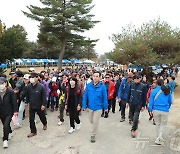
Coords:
pixel 61 54
pixel 147 73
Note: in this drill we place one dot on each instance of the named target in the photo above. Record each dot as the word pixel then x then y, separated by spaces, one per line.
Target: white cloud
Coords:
pixel 113 15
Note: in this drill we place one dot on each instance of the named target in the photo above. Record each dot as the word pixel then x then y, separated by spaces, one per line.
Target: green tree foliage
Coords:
pixel 62 22
pixel 153 43
pixel 12 43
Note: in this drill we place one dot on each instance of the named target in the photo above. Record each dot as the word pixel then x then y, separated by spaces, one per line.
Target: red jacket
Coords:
pixel 111 89
pixel 148 93
pixel 53 91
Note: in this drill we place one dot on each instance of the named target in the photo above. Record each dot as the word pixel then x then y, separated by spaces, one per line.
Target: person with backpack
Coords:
pixel 136 100
pixel 159 104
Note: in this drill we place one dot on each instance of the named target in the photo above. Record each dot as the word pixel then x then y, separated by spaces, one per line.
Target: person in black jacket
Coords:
pixel 36 98
pixel 8 108
pixel 136 100
pixel 73 100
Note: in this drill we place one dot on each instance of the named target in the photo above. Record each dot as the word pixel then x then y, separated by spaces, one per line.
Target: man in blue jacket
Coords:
pixel 123 92
pixel 95 98
pixel 136 100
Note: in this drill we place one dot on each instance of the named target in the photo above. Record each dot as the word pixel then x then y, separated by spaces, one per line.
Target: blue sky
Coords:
pixel 113 14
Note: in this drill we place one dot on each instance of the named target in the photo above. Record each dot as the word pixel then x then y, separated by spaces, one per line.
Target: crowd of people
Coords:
pixel 71 91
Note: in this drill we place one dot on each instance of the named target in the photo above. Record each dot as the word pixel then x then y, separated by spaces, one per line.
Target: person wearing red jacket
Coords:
pixel 110 87
pixel 53 94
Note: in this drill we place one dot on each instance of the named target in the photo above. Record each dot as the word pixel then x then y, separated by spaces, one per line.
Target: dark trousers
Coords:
pixel 73 116
pixel 109 106
pixel 54 101
pixel 41 115
pixel 61 110
pixel 123 108
pixel 6 126
pixel 134 115
pixel 113 104
pixel 48 102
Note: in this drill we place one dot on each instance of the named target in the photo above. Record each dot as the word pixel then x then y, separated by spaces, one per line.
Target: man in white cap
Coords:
pixel 23 100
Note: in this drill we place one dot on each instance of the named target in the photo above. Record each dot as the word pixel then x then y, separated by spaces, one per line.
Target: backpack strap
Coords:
pixel 157 94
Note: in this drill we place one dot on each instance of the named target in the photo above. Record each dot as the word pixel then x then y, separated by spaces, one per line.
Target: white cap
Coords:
pixel 54 79
pixel 31 69
pixel 26 76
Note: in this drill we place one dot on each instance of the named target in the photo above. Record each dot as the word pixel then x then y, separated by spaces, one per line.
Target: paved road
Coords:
pixel 113 138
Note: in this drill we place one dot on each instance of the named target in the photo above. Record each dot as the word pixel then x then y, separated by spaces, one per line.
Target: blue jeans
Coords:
pixel 20 114
pixel 54 101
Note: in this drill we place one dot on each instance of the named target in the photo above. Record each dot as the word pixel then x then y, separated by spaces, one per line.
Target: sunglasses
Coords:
pixel 107 77
pixel 137 78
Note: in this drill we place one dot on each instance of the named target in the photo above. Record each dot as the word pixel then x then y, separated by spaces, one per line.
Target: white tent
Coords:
pixel 89 62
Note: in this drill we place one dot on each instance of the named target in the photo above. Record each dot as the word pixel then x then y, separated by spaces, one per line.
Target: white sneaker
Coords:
pixel 5 144
pixel 78 126
pixel 158 141
pixel 60 123
pixel 10 135
pixel 71 130
pixel 18 125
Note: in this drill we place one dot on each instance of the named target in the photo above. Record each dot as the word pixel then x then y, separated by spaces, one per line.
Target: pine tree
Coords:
pixel 62 21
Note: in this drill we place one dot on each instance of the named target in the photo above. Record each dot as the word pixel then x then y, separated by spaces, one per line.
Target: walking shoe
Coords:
pixel 158 141
pixel 56 109
pixel 154 123
pixel 130 122
pixel 150 118
pixel 10 135
pixel 78 126
pixel 102 115
pixel 45 127
pixel 133 134
pixel 5 144
pixel 31 134
pixel 93 140
pixel 60 123
pixel 106 115
pixel 67 113
pixel 71 130
pixel 18 125
pixel 122 120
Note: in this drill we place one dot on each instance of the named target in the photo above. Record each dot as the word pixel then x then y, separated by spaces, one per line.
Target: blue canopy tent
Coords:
pixel 3 66
pixel 65 61
pixel 76 61
pixel 45 60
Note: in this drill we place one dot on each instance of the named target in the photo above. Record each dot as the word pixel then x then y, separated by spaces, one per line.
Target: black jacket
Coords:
pixel 137 94
pixel 118 82
pixel 36 96
pixel 8 105
pixel 77 95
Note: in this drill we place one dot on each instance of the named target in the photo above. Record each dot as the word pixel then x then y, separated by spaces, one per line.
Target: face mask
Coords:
pixel 32 80
pixel 2 87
